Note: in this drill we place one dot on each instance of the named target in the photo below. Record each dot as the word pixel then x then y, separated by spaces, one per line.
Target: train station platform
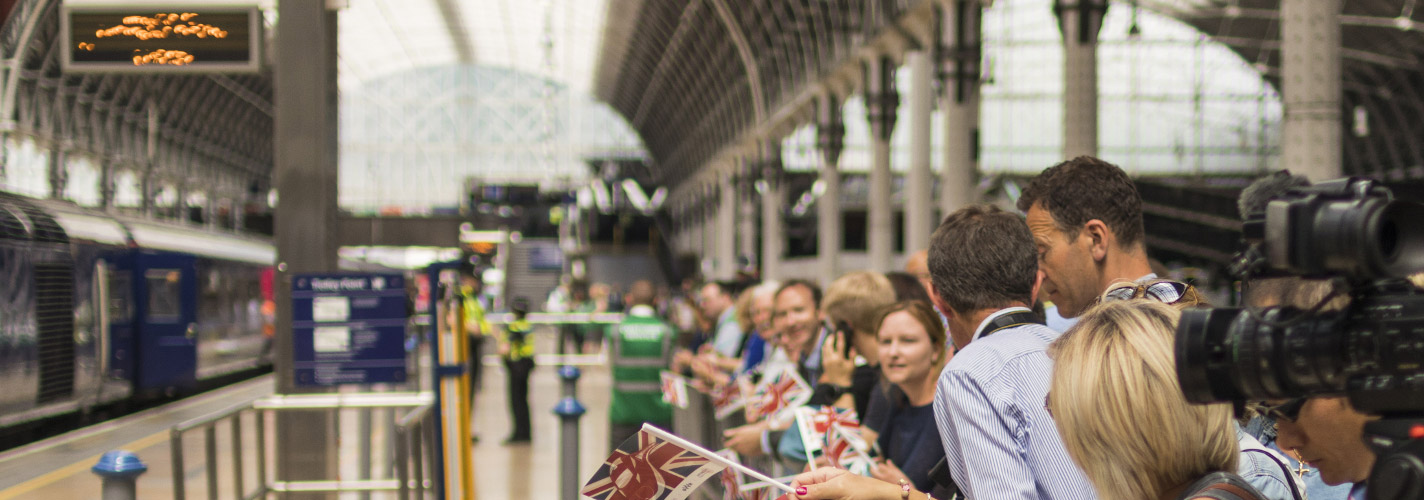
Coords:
pixel 59 467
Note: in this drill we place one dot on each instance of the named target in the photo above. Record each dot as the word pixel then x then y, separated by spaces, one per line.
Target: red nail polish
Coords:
pixel 800 490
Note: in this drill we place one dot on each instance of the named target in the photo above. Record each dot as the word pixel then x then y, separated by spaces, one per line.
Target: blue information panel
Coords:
pixel 349 328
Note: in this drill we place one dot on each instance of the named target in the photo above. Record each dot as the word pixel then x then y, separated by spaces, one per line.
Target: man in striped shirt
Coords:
pixel 999 440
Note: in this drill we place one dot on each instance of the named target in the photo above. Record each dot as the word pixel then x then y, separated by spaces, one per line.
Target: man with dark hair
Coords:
pixel 639 348
pixel 999 440
pixel 1086 219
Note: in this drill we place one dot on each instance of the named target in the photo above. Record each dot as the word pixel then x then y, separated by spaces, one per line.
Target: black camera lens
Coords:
pixel 1203 359
pixel 1229 354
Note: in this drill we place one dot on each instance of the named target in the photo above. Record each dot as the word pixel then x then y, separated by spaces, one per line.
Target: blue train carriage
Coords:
pixel 182 306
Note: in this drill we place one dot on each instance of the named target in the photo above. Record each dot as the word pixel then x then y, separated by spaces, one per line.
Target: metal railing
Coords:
pixel 411 434
pixel 210 450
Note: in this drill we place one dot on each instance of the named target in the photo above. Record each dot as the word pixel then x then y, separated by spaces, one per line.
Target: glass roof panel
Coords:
pixel 555 39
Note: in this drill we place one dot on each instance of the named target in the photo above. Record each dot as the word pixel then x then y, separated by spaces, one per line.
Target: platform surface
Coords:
pixel 59 467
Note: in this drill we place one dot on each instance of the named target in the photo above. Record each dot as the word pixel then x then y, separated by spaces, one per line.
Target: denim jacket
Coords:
pixel 1264 430
pixel 1267 470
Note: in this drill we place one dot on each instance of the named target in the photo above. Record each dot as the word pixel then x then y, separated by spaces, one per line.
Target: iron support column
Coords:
pixel 725 239
pixel 1310 81
pixel 106 183
pixel 747 216
pixel 305 177
pixel 957 27
pixel 881 102
pixel 1079 21
pixel 58 171
pixel 830 138
pixel 919 183
pixel 772 202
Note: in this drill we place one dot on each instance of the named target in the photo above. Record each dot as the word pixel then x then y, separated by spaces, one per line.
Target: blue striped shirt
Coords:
pixel 999 441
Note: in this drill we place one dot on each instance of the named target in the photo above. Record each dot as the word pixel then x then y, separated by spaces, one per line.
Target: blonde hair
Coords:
pixel 1120 412
pixel 857 298
pixel 743 306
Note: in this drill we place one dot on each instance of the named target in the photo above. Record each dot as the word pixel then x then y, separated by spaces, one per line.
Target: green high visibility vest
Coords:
pixel 639 349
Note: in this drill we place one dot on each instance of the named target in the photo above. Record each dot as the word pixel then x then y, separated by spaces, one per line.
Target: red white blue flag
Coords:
pixel 648 467
pixel 777 391
pixel 847 450
pixel 674 389
pixel 729 398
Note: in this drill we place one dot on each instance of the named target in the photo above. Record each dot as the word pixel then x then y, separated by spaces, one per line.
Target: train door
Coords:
pixel 165 311
pixel 113 277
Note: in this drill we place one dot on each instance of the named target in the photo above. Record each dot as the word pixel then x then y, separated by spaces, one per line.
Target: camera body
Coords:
pixel 1348 230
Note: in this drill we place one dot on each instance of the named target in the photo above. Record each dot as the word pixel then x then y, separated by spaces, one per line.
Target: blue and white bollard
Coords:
pixel 569 411
pixel 120 470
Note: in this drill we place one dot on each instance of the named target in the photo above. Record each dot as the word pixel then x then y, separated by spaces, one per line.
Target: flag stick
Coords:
pixel 714 457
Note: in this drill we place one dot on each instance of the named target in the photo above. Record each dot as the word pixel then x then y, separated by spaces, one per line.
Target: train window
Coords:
pixel 120 297
pixel 165 295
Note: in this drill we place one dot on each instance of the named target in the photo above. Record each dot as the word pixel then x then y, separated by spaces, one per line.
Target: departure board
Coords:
pixel 161 39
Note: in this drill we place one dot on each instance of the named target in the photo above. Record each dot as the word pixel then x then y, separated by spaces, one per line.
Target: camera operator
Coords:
pixel 1086 218
pixel 1324 432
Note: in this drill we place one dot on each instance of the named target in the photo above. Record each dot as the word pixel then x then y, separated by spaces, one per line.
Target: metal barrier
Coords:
pixel 406 456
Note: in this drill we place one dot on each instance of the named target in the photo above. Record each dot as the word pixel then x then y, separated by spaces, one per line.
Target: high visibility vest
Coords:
pixel 639 350
pixel 516 334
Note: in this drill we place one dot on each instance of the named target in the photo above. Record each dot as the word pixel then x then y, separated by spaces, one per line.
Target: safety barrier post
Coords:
pixel 120 470
pixel 569 411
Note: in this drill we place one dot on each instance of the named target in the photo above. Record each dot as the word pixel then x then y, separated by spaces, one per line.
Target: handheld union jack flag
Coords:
pixel 727 399
pixel 847 450
pixel 731 478
pixel 674 389
pixel 648 467
pixel 828 416
pixel 778 391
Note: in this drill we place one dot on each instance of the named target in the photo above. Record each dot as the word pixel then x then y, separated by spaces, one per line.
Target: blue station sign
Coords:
pixel 349 328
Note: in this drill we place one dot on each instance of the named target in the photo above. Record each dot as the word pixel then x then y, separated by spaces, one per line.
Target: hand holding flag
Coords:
pixel 658 465
pixel 777 391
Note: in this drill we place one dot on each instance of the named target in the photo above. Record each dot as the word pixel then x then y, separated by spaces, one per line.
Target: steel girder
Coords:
pixel 213 130
pixel 686 90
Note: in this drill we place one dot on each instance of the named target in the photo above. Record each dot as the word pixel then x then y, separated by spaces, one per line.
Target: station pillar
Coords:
pixel 919 185
pixel 747 212
pixel 725 239
pixel 773 201
pixel 830 139
pixel 1310 88
pixel 881 103
pixel 1079 21
pixel 957 26
pixel 305 176
pixel 58 173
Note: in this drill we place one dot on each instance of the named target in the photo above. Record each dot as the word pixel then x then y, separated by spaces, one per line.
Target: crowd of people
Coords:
pixel 968 392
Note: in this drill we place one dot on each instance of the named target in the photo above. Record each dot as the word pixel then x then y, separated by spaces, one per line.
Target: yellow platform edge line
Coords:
pixel 54 476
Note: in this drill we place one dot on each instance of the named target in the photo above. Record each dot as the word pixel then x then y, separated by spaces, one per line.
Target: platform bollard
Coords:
pixel 569 411
pixel 120 470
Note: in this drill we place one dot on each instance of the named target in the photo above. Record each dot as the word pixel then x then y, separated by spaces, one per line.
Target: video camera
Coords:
pixel 1353 232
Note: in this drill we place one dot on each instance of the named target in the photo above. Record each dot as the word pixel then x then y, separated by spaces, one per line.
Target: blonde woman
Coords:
pixel 1115 400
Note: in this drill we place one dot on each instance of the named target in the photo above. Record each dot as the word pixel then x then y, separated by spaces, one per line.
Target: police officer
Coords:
pixel 516 347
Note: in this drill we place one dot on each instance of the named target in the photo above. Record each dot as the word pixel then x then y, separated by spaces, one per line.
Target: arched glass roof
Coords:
pixel 554 39
pixel 411 141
